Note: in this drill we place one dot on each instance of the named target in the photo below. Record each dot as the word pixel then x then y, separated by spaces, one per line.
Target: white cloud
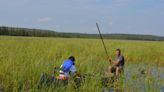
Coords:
pixel 45 19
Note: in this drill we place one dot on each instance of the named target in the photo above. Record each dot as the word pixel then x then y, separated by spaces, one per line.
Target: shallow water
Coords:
pixel 144 77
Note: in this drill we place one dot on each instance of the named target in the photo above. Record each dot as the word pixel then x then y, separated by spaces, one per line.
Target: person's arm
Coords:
pixel 118 60
pixel 110 60
pixel 73 69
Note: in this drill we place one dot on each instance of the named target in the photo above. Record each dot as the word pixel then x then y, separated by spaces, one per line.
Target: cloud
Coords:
pixel 45 19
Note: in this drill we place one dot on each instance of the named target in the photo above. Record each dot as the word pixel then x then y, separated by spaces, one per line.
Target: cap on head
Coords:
pixel 72 58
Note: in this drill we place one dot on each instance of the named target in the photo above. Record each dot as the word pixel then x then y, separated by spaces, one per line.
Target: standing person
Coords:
pixel 67 68
pixel 118 63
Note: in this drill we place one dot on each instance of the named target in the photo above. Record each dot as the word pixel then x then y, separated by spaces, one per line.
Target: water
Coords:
pixel 162 89
pixel 143 78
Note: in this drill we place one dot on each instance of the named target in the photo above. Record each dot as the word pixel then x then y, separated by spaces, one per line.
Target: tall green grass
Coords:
pixel 23 59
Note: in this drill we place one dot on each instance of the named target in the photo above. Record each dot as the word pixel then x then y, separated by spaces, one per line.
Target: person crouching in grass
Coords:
pixel 67 68
pixel 117 64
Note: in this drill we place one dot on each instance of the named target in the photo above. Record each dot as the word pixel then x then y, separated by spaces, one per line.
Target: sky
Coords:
pixel 113 16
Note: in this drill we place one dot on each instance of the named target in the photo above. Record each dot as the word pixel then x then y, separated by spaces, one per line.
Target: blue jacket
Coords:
pixel 66 65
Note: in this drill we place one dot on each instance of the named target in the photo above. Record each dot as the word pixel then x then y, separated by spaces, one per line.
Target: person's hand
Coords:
pixel 110 60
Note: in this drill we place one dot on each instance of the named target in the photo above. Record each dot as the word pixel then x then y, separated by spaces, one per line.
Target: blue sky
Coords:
pixel 113 16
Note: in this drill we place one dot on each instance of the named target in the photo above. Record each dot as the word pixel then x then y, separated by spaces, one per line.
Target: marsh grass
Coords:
pixel 23 59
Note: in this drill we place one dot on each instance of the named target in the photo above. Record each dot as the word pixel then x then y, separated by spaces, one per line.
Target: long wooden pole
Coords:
pixel 102 41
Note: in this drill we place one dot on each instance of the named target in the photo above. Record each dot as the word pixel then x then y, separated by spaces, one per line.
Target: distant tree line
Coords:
pixel 13 31
pixel 25 32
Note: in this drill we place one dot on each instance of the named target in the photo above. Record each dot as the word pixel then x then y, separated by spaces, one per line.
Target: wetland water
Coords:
pixel 142 78
pixel 145 78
